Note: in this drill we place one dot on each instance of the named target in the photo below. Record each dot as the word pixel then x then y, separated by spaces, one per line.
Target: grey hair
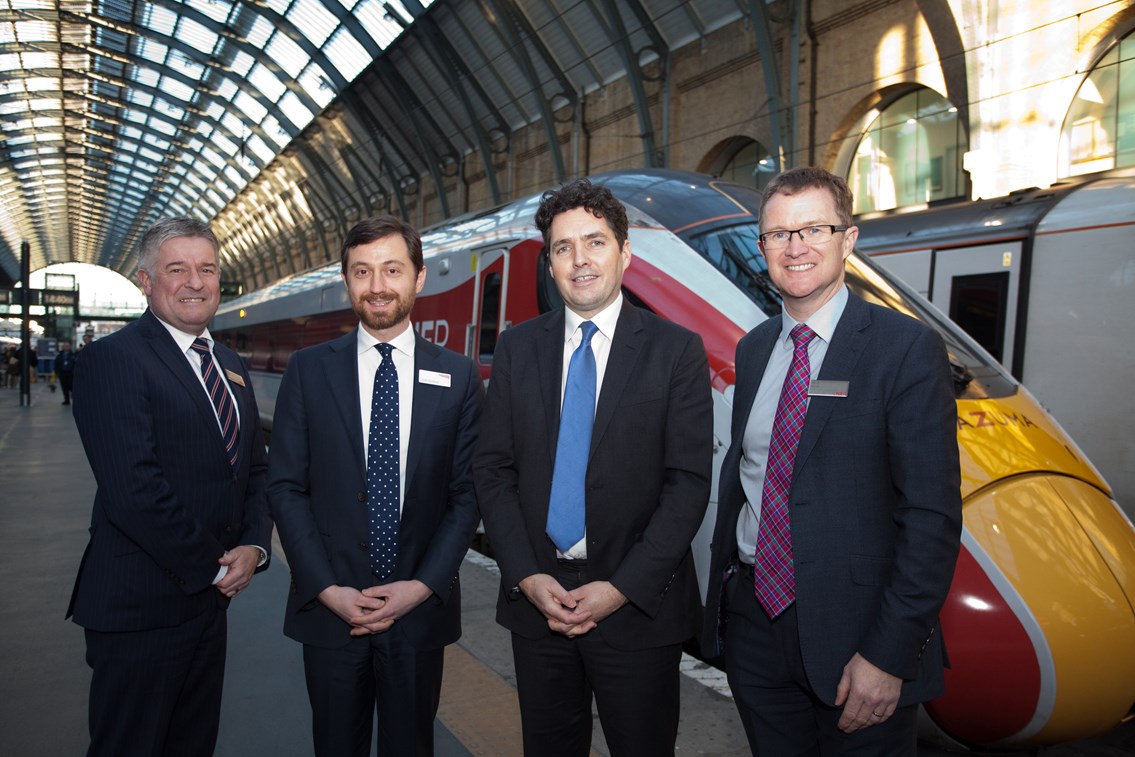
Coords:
pixel 171 228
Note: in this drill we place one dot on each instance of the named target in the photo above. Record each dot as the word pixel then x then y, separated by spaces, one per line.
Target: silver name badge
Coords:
pixel 827 389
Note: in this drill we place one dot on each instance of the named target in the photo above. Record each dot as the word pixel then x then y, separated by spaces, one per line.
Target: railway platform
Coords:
pixel 46 489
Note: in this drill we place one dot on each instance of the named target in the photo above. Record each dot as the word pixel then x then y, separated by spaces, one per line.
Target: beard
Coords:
pixel 382 321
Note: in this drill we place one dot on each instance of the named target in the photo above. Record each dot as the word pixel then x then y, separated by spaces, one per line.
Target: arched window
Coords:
pixel 741 160
pixel 910 154
pixel 1099 130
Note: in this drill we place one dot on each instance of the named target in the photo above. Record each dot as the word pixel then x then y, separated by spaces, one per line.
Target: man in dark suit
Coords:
pixel 592 474
pixel 65 370
pixel 180 521
pixel 839 516
pixel 371 490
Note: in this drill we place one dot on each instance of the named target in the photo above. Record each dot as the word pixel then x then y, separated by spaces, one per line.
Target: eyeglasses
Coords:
pixel 809 235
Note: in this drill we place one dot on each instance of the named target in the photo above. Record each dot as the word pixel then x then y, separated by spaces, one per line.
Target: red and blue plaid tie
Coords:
pixel 773 576
pixel 222 402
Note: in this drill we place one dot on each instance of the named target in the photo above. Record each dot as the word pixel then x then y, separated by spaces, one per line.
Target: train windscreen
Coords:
pixel 733 250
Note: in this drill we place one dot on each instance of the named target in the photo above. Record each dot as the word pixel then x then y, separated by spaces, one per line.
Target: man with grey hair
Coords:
pixel 180 522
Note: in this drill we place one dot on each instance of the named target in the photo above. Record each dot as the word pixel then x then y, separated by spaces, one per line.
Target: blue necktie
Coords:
pixel 222 402
pixel 382 467
pixel 567 505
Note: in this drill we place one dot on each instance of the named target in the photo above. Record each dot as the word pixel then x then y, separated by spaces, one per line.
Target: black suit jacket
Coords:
pixel 875 503
pixel 648 476
pixel 168 503
pixel 317 489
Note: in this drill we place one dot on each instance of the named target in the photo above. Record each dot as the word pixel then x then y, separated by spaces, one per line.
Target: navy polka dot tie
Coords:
pixel 382 467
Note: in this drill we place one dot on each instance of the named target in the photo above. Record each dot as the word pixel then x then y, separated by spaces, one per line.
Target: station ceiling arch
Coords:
pixel 114 113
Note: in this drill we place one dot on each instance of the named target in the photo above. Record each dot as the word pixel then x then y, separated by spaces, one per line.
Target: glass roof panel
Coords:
pixel 250 107
pixel 218 10
pixel 197 35
pixel 347 54
pixel 33 31
pixel 242 61
pixel 313 19
pixel 261 30
pixel 150 50
pixel 287 54
pixel 316 84
pixel 372 15
pixel 296 111
pixel 266 82
pixel 161 20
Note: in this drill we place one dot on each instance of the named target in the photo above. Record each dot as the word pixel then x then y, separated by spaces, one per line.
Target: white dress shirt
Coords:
pixel 369 360
pixel 758 430
pixel 605 321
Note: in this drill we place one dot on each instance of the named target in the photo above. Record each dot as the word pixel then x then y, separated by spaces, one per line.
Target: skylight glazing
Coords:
pixel 170 106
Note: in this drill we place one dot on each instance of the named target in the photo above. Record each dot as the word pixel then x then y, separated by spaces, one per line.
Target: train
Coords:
pixel 1039 622
pixel 1044 279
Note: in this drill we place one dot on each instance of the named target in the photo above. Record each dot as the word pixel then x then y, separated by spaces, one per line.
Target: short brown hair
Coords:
pixel 796 180
pixel 370 229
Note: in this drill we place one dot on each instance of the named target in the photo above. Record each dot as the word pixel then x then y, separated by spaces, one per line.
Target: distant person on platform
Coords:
pixel 180 519
pixel 88 337
pixel 593 475
pixel 371 490
pixel 839 515
pixel 65 370
pixel 12 367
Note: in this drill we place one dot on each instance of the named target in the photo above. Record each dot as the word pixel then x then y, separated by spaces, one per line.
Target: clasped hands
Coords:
pixel 572 613
pixel 375 608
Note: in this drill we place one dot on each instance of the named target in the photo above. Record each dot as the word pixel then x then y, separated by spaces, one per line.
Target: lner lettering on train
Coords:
pixel 992 419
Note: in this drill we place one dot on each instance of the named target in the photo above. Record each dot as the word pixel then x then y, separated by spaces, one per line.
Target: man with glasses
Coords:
pixel 839 515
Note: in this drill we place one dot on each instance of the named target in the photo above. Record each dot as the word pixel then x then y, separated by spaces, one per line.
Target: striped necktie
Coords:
pixel 774 576
pixel 222 401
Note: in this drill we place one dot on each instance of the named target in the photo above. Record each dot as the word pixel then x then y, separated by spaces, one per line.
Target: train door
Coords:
pixel 490 300
pixel 978 287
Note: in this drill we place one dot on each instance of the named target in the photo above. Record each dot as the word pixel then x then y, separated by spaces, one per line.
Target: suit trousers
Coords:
pixel 636 691
pixel 781 713
pixel 382 673
pixel 157 692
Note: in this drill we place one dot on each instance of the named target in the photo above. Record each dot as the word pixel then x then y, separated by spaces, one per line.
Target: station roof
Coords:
pixel 115 113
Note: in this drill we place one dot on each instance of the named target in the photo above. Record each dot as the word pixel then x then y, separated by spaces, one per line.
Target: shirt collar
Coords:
pixel 823 321
pixel 404 342
pixel 604 320
pixel 184 339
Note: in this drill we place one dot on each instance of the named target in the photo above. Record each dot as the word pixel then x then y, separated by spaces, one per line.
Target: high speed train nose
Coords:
pixel 1042 606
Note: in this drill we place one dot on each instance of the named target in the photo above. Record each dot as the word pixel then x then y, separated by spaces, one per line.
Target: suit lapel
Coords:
pixel 550 365
pixel 427 397
pixel 754 368
pixel 621 360
pixel 848 342
pixel 342 371
pixel 163 345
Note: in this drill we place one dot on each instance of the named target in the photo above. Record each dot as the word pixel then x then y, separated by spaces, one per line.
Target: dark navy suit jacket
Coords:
pixel 875 503
pixel 317 489
pixel 168 503
pixel 648 475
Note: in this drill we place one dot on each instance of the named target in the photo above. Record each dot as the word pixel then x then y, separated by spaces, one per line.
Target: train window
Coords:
pixel 733 251
pixel 977 304
pixel 975 375
pixel 1099 130
pixel 910 154
pixel 547 295
pixel 490 312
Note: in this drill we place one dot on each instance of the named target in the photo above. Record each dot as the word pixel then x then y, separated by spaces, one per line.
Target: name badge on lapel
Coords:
pixel 435 378
pixel 236 378
pixel 820 388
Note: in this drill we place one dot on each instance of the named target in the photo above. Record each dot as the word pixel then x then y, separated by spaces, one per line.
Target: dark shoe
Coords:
pixel 66 402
